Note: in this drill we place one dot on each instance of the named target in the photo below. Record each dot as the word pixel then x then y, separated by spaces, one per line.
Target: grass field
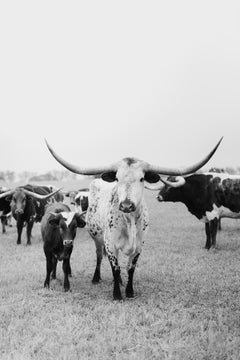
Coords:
pixel 187 304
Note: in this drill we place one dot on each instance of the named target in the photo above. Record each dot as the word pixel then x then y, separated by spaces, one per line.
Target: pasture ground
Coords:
pixel 187 304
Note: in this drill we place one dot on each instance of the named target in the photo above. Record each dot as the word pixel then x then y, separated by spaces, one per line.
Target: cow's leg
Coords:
pixel 112 255
pixel 67 270
pixel 49 267
pixel 97 274
pixel 131 268
pixel 29 231
pixel 208 236
pixel 54 267
pixel 219 224
pixel 4 223
pixel 214 228
pixel 19 230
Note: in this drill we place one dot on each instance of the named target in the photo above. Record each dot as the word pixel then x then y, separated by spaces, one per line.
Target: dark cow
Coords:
pixel 117 217
pixel 27 206
pixel 58 227
pixel 208 196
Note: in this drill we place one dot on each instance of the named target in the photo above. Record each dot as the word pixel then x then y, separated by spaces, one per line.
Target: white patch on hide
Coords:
pixel 68 216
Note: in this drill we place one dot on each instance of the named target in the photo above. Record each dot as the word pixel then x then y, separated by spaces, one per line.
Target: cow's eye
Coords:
pixel 142 179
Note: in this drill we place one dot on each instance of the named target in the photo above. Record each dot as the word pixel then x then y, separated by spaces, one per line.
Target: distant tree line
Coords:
pixel 25 176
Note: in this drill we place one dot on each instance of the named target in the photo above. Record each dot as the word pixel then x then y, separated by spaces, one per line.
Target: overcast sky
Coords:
pixel 101 80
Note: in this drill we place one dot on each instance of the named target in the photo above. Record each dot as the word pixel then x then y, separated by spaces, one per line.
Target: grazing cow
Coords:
pixel 117 216
pixel 208 196
pixel 25 208
pixel 58 227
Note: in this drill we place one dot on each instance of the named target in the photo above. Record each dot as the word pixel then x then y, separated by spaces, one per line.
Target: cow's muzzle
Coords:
pixel 19 211
pixel 68 243
pixel 127 206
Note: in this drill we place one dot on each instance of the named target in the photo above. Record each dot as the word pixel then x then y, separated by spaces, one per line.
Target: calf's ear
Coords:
pixel 151 177
pixel 109 176
pixel 80 221
pixel 54 221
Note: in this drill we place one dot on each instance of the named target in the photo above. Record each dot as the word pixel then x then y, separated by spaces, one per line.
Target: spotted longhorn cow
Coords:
pixel 208 196
pixel 117 216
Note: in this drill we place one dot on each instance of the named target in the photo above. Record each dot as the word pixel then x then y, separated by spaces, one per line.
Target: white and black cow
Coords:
pixel 59 227
pixel 117 216
pixel 79 199
pixel 208 196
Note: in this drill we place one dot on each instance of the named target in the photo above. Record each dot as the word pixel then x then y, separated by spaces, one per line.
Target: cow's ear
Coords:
pixel 8 198
pixel 80 221
pixel 109 176
pixel 67 194
pixel 151 177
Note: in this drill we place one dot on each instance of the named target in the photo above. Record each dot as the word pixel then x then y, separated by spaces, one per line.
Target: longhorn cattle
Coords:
pixel 117 216
pixel 27 206
pixel 208 196
pixel 58 227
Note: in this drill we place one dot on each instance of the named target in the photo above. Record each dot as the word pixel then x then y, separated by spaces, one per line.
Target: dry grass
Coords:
pixel 187 304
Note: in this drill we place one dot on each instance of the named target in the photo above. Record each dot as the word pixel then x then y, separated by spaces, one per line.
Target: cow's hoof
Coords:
pixel 18 242
pixel 28 244
pixel 117 297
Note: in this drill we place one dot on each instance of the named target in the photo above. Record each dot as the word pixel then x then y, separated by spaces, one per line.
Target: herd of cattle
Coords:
pixel 114 210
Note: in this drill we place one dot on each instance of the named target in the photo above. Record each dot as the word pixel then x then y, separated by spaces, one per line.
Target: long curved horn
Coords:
pixel 180 181
pixel 186 170
pixel 81 170
pixel 41 197
pixel 155 186
pixel 6 193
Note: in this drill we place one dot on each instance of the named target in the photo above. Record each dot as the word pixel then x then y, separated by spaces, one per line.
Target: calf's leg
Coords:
pixel 49 267
pixel 67 270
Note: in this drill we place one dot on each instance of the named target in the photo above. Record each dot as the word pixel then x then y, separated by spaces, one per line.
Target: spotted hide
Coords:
pixel 209 196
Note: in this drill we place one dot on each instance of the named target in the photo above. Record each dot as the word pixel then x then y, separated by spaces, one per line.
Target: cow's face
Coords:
pixel 67 222
pixel 168 193
pixel 18 201
pixel 130 178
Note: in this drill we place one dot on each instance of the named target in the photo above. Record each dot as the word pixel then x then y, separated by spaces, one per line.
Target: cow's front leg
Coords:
pixel 97 273
pixel 54 267
pixel 4 222
pixel 214 228
pixel 208 236
pixel 131 268
pixel 113 259
pixel 49 267
pixel 19 230
pixel 29 231
pixel 67 271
